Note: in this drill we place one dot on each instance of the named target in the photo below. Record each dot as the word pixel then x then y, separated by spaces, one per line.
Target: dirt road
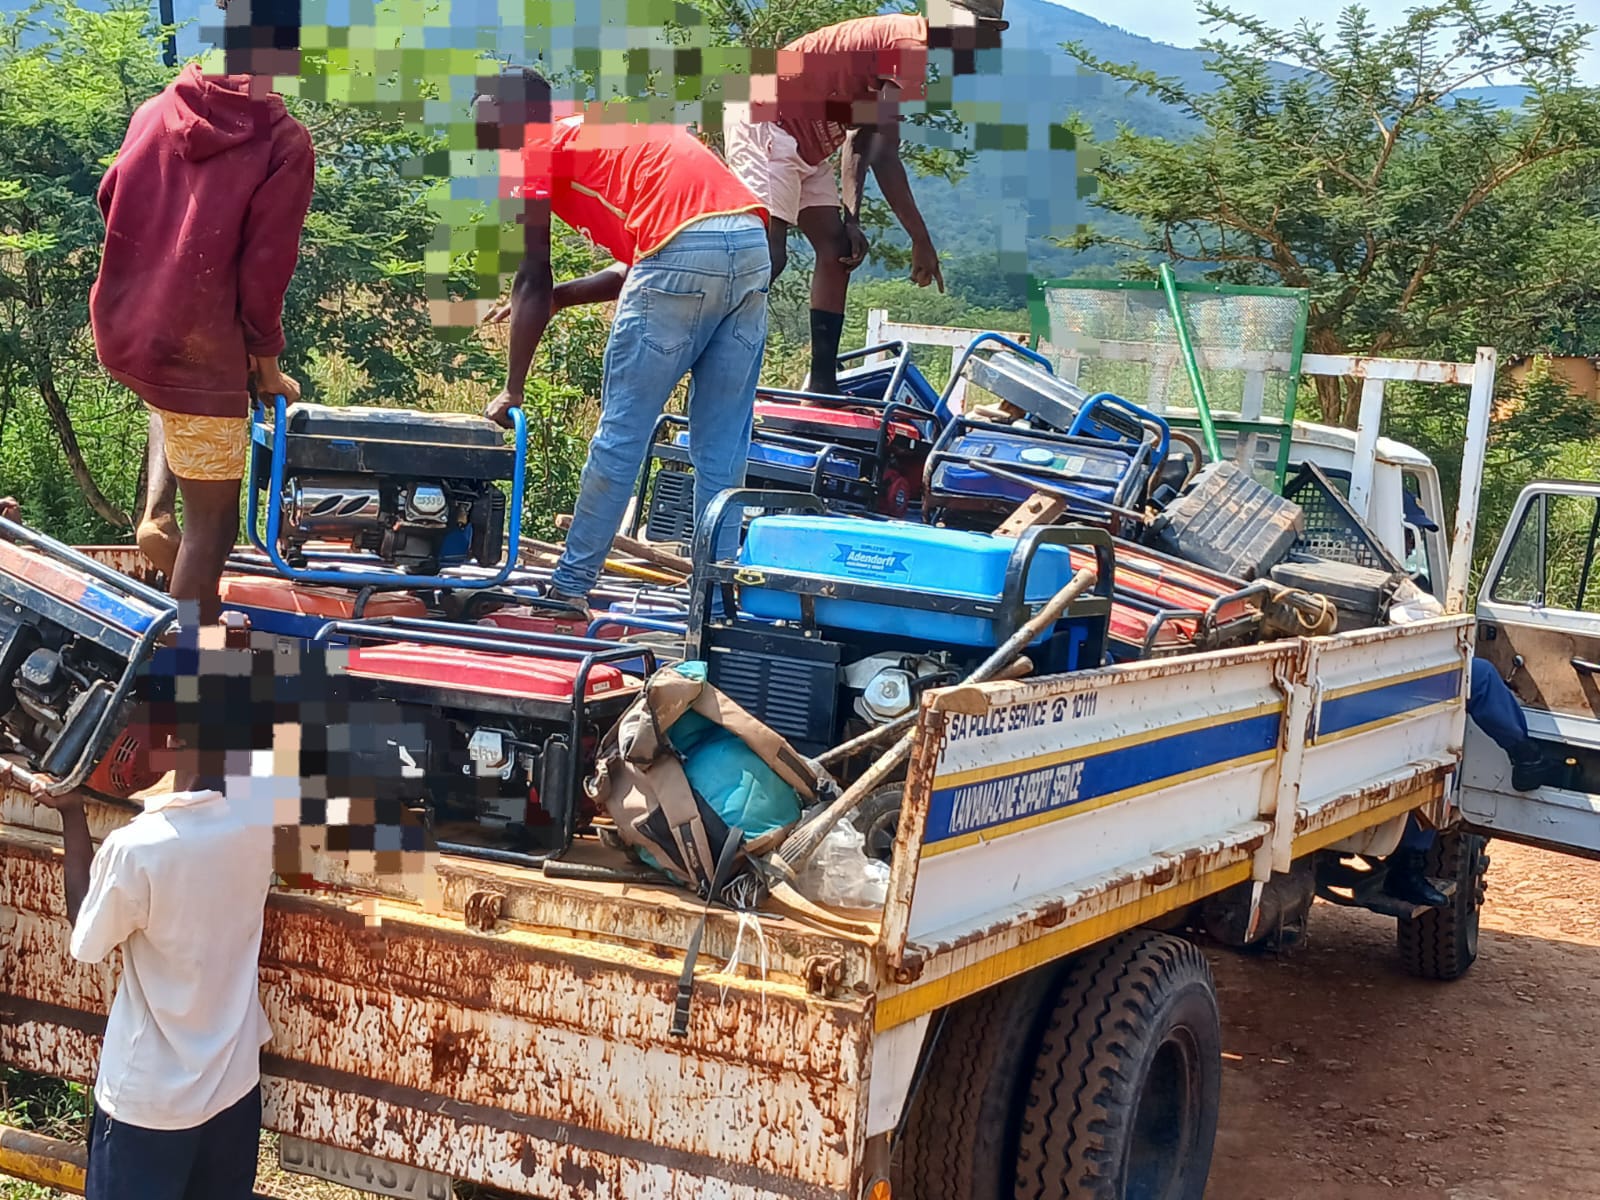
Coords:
pixel 1345 1079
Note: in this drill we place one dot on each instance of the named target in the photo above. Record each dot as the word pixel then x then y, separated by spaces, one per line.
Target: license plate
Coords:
pixel 361 1171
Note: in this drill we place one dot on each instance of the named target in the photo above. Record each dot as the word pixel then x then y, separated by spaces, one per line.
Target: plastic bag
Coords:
pixel 840 875
pixel 1411 604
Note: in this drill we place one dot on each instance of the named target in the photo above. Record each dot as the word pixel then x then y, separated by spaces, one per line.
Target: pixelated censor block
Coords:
pixel 643 62
pixel 270 722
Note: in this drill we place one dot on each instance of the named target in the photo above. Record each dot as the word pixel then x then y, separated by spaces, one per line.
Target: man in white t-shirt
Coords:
pixel 181 890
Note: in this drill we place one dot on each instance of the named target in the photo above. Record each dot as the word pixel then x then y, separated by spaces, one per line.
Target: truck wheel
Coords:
pixel 961 1134
pixel 1123 1101
pixel 1443 942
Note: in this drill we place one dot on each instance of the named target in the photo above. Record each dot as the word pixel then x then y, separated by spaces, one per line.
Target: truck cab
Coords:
pixel 1538 615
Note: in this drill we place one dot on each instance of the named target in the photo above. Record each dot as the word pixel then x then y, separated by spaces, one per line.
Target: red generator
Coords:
pixel 1162 606
pixel 288 609
pixel 862 453
pixel 513 720
pixel 894 437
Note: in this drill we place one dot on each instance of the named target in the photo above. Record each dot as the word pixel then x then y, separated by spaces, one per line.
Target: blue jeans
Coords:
pixel 215 1161
pixel 1494 710
pixel 696 307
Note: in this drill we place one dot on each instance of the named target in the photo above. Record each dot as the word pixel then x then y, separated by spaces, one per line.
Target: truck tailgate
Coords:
pixel 534 1056
pixel 1046 816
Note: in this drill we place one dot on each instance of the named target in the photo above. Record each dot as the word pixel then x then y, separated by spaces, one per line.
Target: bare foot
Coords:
pixel 159 539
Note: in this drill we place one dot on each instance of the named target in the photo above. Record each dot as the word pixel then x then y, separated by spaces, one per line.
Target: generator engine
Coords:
pixel 885 687
pixel 73 637
pixel 511 720
pixel 416 490
pixel 408 523
pixel 830 623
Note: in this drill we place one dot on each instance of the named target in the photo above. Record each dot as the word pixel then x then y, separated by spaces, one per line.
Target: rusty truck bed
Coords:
pixel 518 1035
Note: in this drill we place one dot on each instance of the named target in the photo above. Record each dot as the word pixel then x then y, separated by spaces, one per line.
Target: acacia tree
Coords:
pixel 1413 213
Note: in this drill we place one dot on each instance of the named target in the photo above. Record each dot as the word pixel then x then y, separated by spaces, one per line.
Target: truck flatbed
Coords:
pixel 519 1035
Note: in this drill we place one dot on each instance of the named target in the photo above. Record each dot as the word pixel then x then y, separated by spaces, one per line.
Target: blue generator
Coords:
pixel 829 624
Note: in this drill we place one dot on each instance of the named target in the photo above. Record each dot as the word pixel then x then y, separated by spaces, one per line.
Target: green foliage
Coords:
pixel 1420 220
pixel 51 1107
pixel 359 290
pixel 755 25
pixel 70 79
pixel 71 441
pixel 1540 429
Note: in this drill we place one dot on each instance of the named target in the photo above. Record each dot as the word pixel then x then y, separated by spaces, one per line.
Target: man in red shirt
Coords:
pixel 838 89
pixel 203 209
pixel 690 281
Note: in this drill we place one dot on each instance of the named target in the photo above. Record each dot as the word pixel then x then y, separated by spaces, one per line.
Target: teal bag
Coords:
pixel 697 787
pixel 732 778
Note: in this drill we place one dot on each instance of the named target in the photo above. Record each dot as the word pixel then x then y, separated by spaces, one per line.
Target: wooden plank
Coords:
pixel 641 550
pixel 1037 509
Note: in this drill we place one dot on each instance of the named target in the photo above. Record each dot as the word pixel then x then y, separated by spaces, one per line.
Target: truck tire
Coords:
pixel 1443 942
pixel 961 1134
pixel 1124 1096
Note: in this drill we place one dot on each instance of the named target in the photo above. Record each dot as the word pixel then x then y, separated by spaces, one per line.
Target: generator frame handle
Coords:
pixel 1046 475
pixel 517 642
pixel 269 547
pixel 166 616
pixel 897 374
pixel 1143 415
pixel 1162 617
pixel 708 530
pixel 1021 563
pixel 639 622
pixel 1028 480
pixel 899 347
pixel 887 410
pixel 971 348
pixel 825 453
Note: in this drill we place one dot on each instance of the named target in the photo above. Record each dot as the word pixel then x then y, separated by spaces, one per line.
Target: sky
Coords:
pixel 1177 21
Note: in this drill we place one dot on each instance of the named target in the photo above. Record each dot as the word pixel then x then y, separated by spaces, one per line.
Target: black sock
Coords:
pixel 826 329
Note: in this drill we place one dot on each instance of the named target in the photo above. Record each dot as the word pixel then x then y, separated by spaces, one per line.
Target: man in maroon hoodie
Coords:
pixel 203 208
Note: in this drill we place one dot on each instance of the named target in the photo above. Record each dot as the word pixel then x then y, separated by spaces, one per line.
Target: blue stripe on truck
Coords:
pixel 1029 796
pixel 1342 715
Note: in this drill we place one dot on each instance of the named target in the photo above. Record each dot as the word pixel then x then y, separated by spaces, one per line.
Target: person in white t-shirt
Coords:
pixel 181 890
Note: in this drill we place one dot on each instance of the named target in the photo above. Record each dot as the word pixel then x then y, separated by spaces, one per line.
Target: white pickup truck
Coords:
pixel 1021 1020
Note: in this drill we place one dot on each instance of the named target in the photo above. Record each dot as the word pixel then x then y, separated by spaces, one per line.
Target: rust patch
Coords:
pixel 580 1177
pixel 470 1142
pixel 563 1038
pixel 125 560
pixel 1051 914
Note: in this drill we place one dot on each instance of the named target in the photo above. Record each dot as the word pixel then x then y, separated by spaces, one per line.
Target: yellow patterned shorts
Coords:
pixel 205 449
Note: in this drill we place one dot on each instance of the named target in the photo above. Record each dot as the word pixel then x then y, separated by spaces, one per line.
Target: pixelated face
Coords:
pixel 261 38
pixel 274 728
pixel 964 39
pixel 505 106
pixel 209 709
